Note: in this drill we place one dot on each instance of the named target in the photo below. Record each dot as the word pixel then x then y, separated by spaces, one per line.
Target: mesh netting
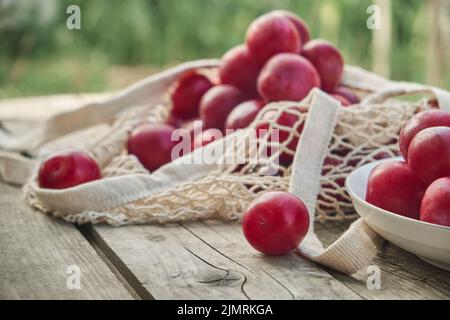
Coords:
pixel 364 133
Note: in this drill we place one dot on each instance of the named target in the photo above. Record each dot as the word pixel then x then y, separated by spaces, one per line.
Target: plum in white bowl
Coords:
pixel 430 242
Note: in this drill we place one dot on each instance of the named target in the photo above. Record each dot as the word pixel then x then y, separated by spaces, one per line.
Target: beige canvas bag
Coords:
pixel 333 141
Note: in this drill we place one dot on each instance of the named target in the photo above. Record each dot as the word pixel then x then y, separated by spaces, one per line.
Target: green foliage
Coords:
pixel 45 57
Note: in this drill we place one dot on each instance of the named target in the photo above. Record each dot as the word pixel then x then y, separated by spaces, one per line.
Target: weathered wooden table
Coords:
pixel 39 255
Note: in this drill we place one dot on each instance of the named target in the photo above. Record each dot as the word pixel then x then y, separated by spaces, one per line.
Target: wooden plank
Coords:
pixel 162 262
pixel 199 261
pixel 210 260
pixel 403 275
pixel 36 251
pixel 297 275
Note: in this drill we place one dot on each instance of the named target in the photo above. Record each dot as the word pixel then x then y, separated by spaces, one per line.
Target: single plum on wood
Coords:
pixel 275 223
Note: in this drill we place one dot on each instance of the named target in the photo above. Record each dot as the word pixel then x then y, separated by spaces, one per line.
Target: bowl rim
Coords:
pixel 384 212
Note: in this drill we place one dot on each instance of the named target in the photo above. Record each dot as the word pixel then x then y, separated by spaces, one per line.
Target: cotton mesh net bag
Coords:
pixel 321 145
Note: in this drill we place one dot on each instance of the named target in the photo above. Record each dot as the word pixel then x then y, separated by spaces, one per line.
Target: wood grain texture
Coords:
pixel 403 275
pixel 210 260
pixel 36 250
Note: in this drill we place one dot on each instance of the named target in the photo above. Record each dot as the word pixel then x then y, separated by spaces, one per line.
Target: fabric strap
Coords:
pixel 397 89
pixel 356 247
pixel 383 89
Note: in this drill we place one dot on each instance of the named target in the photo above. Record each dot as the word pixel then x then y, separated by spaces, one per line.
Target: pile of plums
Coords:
pixel 278 62
pixel 419 186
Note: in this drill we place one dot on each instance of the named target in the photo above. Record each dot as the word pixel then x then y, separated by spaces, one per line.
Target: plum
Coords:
pixel 152 144
pixel 275 223
pixel 238 69
pixel 421 121
pixel 436 203
pixel 217 104
pixel 243 115
pixel 206 137
pixel 287 77
pixel 392 186
pixel 174 121
pixel 271 34
pixel 302 27
pixel 343 100
pixel 186 95
pixel 68 169
pixel 194 127
pixel 287 119
pixel 328 61
pixel 429 154
pixel 347 94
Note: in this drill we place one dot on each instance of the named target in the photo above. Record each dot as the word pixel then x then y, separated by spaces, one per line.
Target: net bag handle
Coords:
pixel 398 89
pixel 359 244
pixel 381 89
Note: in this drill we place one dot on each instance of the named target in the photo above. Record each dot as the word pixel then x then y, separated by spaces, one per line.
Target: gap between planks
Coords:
pixel 117 267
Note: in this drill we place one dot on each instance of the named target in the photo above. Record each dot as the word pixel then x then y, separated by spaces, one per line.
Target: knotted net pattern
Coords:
pixel 364 133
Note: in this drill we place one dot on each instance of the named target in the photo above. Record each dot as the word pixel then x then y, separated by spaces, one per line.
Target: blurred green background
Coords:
pixel 122 41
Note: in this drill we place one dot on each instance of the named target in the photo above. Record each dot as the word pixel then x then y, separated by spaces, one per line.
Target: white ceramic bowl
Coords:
pixel 429 242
